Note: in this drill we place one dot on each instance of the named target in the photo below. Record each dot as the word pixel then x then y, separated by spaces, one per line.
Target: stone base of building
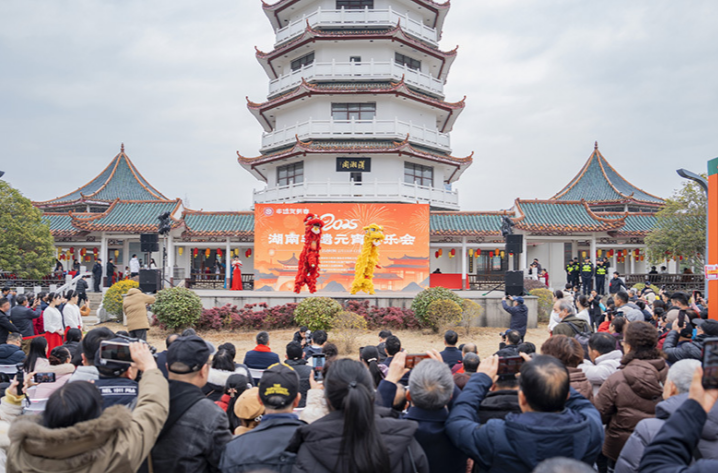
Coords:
pixel 493 316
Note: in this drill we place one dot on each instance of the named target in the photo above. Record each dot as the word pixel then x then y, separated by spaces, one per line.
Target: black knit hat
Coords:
pixel 279 386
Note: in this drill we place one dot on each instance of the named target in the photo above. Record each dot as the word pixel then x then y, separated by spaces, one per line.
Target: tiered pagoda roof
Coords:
pixel 399 89
pixel 636 224
pixel 355 147
pixel 137 216
pixel 199 223
pixel 119 180
pixel 598 182
pixel 395 34
pixel 467 223
pixel 561 217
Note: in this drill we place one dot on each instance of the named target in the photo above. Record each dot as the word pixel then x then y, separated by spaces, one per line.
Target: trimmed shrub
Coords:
pixel 281 316
pixel 442 312
pixel 545 304
pixel 346 327
pixel 112 301
pixel 531 284
pixel 316 312
pixel 420 304
pixel 470 311
pixel 641 286
pixel 177 307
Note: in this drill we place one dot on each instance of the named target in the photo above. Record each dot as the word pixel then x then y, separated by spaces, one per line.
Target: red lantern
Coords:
pixel 436 254
pixel 478 252
pixel 83 251
pixel 249 252
pixel 219 252
pixel 195 251
pixel 72 250
pixel 636 252
pixel 94 251
pixel 643 257
pixel 452 253
pixel 491 254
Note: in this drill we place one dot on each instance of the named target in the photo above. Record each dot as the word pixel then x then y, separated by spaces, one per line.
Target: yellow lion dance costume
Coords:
pixel 368 259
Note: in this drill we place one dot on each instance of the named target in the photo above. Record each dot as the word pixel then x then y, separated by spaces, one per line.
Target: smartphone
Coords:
pixel 117 352
pixel 44 378
pixel 413 360
pixel 710 363
pixel 318 361
pixel 509 365
pixel 20 375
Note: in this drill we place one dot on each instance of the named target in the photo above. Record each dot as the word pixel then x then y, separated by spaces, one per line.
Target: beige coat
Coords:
pixel 135 307
pixel 117 441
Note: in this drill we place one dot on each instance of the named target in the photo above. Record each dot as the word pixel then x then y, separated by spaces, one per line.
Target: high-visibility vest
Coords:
pixel 587 268
pixel 601 270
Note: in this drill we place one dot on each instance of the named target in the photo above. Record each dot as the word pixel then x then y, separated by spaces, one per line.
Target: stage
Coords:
pixel 493 316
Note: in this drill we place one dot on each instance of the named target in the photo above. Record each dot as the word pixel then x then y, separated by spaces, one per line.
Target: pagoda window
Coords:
pixel 302 61
pixel 421 175
pixel 355 4
pixel 290 174
pixel 406 61
pixel 354 111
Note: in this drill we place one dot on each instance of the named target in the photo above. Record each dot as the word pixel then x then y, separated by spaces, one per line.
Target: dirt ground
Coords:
pixel 414 341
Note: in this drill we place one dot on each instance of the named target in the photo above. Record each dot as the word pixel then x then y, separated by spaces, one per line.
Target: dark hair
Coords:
pixel 623 295
pixel 641 305
pixel 471 362
pixel 513 337
pixel 370 355
pixel 619 323
pixel 59 355
pixel 91 342
pixel 602 342
pixel 69 294
pixel 20 300
pixel 223 360
pixel 262 338
pixel 393 345
pixel 527 347
pixel 545 383
pixel 3 301
pixel 14 337
pixel 330 350
pixel 583 300
pixel 659 304
pixel 349 389
pixel 189 332
pixel 238 382
pixel 303 328
pixel 231 349
pixel 294 351
pixel 558 294
pixel 681 297
pixel 451 337
pixel 71 404
pixel 41 296
pixel 38 349
pixel 73 335
pixel 642 337
pixel 319 337
pixel 384 334
pixel 566 349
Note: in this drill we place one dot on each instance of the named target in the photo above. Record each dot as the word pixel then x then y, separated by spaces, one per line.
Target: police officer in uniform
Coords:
pixel 572 272
pixel 601 271
pixel 587 276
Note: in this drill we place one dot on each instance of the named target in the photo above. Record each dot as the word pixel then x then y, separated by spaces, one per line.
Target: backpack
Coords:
pixel 582 338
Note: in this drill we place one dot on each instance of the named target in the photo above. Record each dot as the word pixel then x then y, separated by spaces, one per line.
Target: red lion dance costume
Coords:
pixel 308 270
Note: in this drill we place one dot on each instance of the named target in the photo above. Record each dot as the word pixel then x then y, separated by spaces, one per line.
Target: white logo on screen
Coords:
pixel 268 211
pixel 333 223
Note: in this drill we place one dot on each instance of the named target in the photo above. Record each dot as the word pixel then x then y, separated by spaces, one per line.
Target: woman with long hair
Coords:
pixel 236 274
pixel 352 438
pixel 36 359
pixel 236 385
pixel 631 394
pixel 221 369
pixel 72 315
pixel 52 319
pixel 370 358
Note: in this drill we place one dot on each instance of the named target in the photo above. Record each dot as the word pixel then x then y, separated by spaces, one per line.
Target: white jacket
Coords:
pixel 605 366
pixel 52 318
pixel 73 318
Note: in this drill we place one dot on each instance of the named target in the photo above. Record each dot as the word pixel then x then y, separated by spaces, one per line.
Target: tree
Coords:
pixel 680 228
pixel 26 245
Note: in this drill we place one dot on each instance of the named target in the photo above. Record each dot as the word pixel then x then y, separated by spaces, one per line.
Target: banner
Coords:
pixel 404 253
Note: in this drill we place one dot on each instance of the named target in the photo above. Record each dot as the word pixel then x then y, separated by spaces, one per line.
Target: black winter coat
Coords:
pixel 317 445
pixel 684 350
pixel 498 404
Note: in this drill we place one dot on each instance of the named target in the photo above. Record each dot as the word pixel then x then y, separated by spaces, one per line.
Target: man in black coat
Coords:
pixel 11 353
pixel 109 272
pixel 451 355
pixel 97 275
pixel 6 326
pixel 296 361
pixel 21 316
pixel 502 399
pixel 679 345
pixel 510 344
pixel 519 314
pixel 263 448
pixel 616 284
pixel 81 287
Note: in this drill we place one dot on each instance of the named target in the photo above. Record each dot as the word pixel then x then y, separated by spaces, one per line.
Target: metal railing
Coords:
pixel 366 17
pixel 485 282
pixel 369 191
pixel 215 281
pixel 357 71
pixel 672 282
pixel 10 280
pixel 357 129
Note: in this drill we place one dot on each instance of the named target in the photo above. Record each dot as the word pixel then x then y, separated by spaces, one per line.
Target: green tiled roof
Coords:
pixel 119 180
pixel 549 216
pixel 138 216
pixel 60 223
pixel 465 223
pixel 598 181
pixel 219 223
pixel 638 223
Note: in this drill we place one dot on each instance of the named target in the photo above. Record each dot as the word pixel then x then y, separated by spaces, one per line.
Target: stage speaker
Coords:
pixel 150 280
pixel 514 244
pixel 149 242
pixel 514 281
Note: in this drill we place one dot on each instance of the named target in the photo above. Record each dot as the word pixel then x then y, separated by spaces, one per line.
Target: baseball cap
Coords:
pixel 279 386
pixel 519 299
pixel 709 326
pixel 187 355
pixel 109 368
pixel 248 406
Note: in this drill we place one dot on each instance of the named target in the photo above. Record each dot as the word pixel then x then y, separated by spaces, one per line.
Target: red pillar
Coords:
pixel 713 235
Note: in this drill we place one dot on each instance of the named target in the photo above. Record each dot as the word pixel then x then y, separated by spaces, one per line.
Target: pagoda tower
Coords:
pixel 356 109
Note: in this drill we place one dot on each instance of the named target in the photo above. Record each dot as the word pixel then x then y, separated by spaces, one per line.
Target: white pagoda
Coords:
pixel 356 110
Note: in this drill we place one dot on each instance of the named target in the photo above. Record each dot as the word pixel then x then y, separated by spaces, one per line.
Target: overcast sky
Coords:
pixel 544 80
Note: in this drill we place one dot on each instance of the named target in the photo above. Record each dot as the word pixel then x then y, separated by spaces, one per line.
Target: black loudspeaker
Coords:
pixel 514 244
pixel 514 281
pixel 149 280
pixel 149 243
